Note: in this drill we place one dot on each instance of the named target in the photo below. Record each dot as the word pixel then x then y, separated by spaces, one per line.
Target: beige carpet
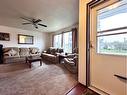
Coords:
pixel 48 79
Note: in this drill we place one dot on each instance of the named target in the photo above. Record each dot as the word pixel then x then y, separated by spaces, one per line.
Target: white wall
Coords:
pixel 41 40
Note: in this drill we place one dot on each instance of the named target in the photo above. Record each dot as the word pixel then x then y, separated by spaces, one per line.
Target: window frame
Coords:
pixel 71 39
pixel 62 33
pixel 53 39
pixel 109 31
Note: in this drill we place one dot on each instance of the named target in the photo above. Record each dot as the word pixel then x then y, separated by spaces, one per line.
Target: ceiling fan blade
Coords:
pixel 42 25
pixel 26 19
pixel 26 23
pixel 36 21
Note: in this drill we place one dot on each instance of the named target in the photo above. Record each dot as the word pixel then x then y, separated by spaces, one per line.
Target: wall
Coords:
pixel 41 40
pixel 82 41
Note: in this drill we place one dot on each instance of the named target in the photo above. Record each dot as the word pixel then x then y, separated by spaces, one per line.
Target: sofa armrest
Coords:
pixel 6 55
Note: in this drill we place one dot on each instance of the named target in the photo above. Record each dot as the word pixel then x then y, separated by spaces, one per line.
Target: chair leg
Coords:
pixel 40 62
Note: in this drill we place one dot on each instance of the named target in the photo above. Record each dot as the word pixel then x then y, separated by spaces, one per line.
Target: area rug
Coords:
pixel 48 79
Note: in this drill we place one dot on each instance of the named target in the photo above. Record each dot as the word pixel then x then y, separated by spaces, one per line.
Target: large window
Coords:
pixel 63 40
pixel 112 29
pixel 57 41
pixel 67 42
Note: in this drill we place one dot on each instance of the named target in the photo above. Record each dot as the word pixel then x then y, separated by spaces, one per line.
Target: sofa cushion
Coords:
pixel 48 51
pixel 14 59
pixel 24 52
pixel 53 50
pixel 34 50
pixel 59 50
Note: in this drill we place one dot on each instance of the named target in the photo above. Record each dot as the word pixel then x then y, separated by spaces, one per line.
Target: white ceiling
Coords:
pixel 56 14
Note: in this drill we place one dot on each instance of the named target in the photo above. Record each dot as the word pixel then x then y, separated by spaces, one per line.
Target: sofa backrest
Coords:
pixel 53 50
pixel 11 51
pixel 15 51
pixel 24 51
pixel 59 50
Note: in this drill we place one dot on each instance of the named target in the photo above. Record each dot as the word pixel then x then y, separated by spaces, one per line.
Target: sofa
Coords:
pixel 52 54
pixel 18 55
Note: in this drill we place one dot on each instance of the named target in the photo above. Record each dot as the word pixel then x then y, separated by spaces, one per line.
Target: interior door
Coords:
pixel 108 53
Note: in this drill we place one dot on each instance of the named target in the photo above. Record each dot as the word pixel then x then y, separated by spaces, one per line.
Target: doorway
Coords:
pixel 107 46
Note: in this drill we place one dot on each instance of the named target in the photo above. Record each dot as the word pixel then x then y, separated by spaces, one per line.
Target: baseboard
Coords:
pixel 98 90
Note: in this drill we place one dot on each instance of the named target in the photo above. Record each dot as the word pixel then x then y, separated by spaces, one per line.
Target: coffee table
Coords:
pixel 31 59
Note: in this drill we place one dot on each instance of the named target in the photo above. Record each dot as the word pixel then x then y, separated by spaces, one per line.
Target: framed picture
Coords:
pixel 4 36
pixel 25 39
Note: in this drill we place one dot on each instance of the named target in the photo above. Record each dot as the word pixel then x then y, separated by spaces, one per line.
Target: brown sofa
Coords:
pixel 18 55
pixel 52 54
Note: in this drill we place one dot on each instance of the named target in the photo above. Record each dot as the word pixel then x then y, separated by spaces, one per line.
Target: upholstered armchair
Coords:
pixel 71 62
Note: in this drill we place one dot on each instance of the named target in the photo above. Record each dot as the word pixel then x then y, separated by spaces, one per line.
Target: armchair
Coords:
pixel 71 63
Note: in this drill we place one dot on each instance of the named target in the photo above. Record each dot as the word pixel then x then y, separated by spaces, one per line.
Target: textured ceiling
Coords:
pixel 56 14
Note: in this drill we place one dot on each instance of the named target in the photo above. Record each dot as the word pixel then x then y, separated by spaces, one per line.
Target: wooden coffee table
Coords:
pixel 31 59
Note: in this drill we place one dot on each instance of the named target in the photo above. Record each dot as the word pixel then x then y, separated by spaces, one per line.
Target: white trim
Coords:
pixel 98 90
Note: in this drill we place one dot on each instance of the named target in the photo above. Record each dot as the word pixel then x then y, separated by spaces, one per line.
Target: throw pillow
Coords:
pixel 34 51
pixel 8 53
pixel 53 51
pixel 13 52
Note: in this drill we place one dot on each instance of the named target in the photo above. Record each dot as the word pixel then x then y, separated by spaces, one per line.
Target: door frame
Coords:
pixel 90 5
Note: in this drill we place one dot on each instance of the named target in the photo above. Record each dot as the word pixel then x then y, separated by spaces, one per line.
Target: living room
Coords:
pixel 63 47
pixel 30 47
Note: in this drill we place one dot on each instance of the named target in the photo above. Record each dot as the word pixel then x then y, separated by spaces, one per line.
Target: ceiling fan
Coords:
pixel 34 22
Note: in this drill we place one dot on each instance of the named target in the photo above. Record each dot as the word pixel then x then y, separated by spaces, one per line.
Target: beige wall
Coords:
pixel 82 41
pixel 41 40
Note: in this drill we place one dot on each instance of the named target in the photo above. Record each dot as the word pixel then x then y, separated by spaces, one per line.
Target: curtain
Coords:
pixel 74 38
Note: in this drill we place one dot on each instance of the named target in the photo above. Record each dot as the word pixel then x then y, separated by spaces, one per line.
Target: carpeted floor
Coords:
pixel 48 79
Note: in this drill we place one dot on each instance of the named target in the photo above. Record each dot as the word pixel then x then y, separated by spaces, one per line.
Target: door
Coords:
pixel 108 42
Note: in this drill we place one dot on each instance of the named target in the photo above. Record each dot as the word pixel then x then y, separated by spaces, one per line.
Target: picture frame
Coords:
pixel 4 36
pixel 25 39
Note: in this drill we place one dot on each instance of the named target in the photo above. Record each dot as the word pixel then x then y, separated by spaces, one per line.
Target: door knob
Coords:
pixel 91 45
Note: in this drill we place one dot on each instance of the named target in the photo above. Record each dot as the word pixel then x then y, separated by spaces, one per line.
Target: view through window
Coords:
pixel 112 29
pixel 57 41
pixel 63 40
pixel 67 42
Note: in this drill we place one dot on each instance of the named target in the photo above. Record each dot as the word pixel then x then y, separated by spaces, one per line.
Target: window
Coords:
pixel 57 41
pixel 112 29
pixel 63 40
pixel 67 42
